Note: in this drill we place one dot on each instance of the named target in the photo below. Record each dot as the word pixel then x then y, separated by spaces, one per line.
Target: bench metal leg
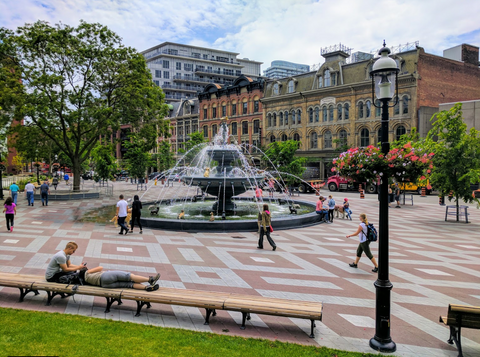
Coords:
pixel 141 304
pixel 110 301
pixel 25 291
pixel 245 316
pixel 209 312
pixel 52 294
pixel 456 337
pixel 312 335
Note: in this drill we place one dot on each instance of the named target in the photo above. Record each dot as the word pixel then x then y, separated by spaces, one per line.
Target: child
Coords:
pixel 346 208
pixel 10 211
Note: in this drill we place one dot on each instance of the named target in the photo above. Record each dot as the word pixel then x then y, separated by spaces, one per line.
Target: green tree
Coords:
pixel 80 83
pixel 192 146
pixel 280 156
pixel 137 156
pixel 164 157
pixel 104 161
pixel 456 163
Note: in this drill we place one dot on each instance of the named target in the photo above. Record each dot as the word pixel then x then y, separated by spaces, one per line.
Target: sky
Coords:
pixel 266 30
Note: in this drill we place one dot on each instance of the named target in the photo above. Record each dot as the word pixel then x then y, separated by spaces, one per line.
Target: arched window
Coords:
pixel 325 115
pixel 317 114
pixel 284 137
pixel 342 136
pixel 293 118
pixel 399 132
pixel 405 105
pixel 339 112
pixel 296 137
pixel 327 77
pixel 346 109
pixel 276 88
pixel 327 140
pixel 368 108
pixel 330 113
pixel 320 81
pixel 286 118
pixel 291 86
pixel 274 119
pixel 299 116
pixel 272 138
pixel 364 137
pixel 269 120
pixel 310 115
pixel 396 108
pixel 313 140
pixel 378 108
pixel 281 119
pixel 360 110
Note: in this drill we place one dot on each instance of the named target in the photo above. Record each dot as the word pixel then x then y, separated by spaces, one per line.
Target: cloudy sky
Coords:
pixel 266 30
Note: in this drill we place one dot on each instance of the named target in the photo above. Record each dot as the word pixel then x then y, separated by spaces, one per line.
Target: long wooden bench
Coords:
pixel 460 316
pixel 208 300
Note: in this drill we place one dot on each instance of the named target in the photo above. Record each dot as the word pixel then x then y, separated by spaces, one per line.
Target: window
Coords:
pixel 310 115
pixel 244 107
pixel 286 118
pixel 224 110
pixel 317 114
pixel 274 123
pixel 339 112
pixel 330 113
pixel 280 120
pixel 238 72
pixel 368 107
pixel 284 137
pixel 205 57
pixel 327 140
pixel 256 126
pixel 234 109
pixel 276 89
pixel 166 74
pixel 299 116
pixel 293 117
pixel 405 105
pixel 188 67
pixel 313 140
pixel 156 82
pixel 320 81
pixel 291 86
pixel 399 132
pixel 245 128
pixel 272 138
pixel 195 55
pixel 364 137
pixel 214 129
pixel 214 112
pixel 342 136
pixel 158 73
pixel 178 66
pixel 205 111
pixel 379 135
pixel 334 79
pixel 200 68
pixel 360 110
pixel 166 64
pixel 327 78
pixel 396 108
pixel 346 110
pixel 296 137
pixel 205 131
pixel 378 108
pixel 269 118
pixel 325 115
pixel 234 128
pixel 256 106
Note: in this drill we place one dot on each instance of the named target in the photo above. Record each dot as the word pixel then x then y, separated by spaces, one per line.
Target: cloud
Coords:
pixel 265 30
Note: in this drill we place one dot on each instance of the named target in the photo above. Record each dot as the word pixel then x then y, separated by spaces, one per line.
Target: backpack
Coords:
pixel 75 278
pixel 372 234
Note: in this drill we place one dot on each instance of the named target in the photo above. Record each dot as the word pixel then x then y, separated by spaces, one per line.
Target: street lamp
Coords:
pixel 37 164
pixel 385 87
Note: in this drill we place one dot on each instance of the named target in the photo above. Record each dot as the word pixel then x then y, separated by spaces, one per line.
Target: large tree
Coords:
pixel 80 83
pixel 280 157
pixel 456 163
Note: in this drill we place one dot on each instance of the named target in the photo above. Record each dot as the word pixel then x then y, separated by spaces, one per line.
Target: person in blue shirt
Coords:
pixel 14 192
pixel 66 178
pixel 331 208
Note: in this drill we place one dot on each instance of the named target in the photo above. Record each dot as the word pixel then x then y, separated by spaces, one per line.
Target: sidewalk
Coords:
pixel 432 263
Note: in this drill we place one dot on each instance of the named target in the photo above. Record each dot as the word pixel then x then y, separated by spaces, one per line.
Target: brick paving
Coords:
pixel 432 263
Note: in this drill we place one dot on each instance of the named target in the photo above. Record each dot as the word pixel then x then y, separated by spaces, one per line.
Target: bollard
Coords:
pixel 424 192
pixel 163 181
pixel 450 195
pixel 362 194
pixel 441 200
pixel 360 188
pixel 155 182
pixel 317 193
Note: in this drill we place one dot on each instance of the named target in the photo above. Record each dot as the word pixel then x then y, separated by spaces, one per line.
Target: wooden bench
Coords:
pixel 210 301
pixel 460 316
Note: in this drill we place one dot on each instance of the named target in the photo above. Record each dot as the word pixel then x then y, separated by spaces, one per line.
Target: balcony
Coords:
pixel 180 78
pixel 215 72
pixel 181 88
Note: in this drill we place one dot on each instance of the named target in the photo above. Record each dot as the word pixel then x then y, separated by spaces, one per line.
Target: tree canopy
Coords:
pixel 79 83
pixel 280 156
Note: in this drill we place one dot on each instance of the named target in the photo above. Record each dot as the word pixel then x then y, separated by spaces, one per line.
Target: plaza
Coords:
pixel 432 263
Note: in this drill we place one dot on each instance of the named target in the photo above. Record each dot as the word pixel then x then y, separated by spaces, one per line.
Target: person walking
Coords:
pixel 331 208
pixel 364 245
pixel 259 194
pixel 14 191
pixel 136 213
pixel 346 208
pixel 271 187
pixel 120 279
pixel 10 211
pixel 44 192
pixel 66 178
pixel 265 228
pixel 397 195
pixel 30 190
pixel 121 214
pixel 55 182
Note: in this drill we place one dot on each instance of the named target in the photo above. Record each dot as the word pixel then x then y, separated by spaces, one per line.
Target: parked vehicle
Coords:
pixel 338 183
pixel 310 186
pixel 414 187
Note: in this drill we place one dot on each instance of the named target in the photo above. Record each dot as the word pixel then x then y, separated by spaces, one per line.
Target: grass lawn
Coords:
pixel 34 333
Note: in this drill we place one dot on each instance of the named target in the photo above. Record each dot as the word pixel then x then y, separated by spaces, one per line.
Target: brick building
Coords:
pixel 332 107
pixel 239 104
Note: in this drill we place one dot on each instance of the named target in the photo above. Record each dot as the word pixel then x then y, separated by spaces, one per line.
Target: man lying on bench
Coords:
pixel 120 279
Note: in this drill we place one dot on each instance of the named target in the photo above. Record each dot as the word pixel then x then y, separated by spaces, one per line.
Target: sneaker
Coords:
pixel 398 207
pixel 274 248
pixel 131 231
pixel 120 233
pixel 153 279
pixel 152 287
pixel 11 229
pixel 141 232
pixel 353 265
pixel 375 269
pixel 259 247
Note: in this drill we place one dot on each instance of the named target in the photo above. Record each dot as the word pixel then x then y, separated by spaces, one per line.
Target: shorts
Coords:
pixel 364 247
pixel 116 279
pixel 397 198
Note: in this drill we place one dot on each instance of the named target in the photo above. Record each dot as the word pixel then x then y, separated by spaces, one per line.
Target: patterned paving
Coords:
pixel 432 263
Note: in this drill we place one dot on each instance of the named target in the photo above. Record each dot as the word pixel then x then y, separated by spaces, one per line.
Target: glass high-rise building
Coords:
pixel 282 69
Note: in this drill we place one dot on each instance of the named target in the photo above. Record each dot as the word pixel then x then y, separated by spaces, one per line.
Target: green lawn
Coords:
pixel 34 333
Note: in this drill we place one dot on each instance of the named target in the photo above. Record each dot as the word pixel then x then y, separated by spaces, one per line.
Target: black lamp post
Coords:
pixel 37 164
pixel 384 76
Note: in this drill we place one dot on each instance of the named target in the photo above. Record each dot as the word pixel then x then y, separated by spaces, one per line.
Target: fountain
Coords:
pixel 212 191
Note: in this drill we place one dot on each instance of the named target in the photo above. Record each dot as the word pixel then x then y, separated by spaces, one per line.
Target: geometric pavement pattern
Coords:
pixel 432 263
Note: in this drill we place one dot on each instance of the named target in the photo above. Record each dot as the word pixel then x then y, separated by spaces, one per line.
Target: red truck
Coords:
pixel 338 183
